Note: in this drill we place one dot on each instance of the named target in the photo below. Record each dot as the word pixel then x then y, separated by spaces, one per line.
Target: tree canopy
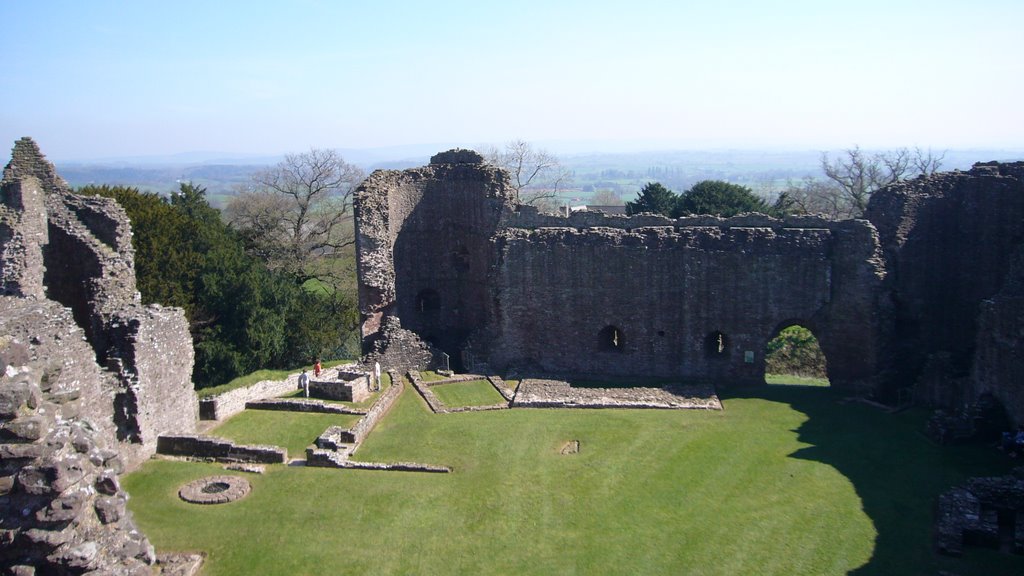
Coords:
pixel 242 315
pixel 720 198
pixel 298 217
pixel 706 197
pixel 653 198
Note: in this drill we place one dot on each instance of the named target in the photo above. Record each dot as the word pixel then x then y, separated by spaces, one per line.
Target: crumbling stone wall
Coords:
pixel 77 251
pixel 446 249
pixel 949 242
pixel 91 378
pixel 696 302
pixel 921 294
pixel 62 508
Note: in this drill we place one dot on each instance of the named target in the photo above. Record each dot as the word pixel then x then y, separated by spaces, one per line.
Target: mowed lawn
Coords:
pixel 786 480
pixel 471 393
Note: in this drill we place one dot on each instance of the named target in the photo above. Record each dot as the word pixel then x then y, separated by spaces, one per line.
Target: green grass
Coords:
pixel 794 379
pixel 260 375
pixel 785 481
pixel 471 393
pixel 291 430
pixel 431 376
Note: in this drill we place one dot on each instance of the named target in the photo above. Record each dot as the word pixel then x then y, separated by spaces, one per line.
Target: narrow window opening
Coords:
pixel 610 339
pixel 716 345
pixel 428 301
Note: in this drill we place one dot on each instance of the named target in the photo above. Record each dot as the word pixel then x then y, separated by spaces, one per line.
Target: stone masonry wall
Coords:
pixel 62 508
pixel 91 377
pixel 697 302
pixel 423 247
pixel 226 405
pixel 948 241
pixel 446 250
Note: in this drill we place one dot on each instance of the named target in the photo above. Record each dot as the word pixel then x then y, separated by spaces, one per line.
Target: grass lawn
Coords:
pixel 291 430
pixel 794 379
pixel 470 393
pixel 784 481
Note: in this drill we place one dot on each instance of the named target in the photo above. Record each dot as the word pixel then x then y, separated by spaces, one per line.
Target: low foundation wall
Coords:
pixel 218 449
pixel 378 410
pixel 226 405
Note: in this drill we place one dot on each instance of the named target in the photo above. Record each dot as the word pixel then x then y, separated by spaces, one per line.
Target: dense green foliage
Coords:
pixel 784 481
pixel 705 197
pixel 795 351
pixel 721 198
pixel 242 315
pixel 653 198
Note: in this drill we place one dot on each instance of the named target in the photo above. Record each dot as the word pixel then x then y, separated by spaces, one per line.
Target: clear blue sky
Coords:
pixel 99 79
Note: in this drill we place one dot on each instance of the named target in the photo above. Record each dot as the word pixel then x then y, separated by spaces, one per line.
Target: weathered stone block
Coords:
pixel 110 509
pixel 24 429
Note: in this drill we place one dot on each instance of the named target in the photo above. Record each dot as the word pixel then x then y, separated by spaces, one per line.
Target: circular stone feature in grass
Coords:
pixel 215 490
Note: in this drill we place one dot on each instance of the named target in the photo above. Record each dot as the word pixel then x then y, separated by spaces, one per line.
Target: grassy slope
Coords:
pixel 784 481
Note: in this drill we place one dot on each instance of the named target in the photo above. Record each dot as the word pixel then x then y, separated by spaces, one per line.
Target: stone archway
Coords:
pixel 795 351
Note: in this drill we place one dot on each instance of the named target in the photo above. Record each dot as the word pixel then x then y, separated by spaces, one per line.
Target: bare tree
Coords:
pixel 859 174
pixel 299 213
pixel 926 163
pixel 816 196
pixel 537 175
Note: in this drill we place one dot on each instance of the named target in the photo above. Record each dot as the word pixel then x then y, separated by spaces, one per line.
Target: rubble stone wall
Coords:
pixel 226 405
pixel 90 377
pixel 697 302
pixel 447 254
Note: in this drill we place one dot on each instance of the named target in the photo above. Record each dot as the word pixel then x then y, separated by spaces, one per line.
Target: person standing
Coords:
pixel 317 368
pixel 304 382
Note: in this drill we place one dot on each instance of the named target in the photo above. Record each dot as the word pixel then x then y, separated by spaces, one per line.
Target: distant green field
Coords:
pixel 785 480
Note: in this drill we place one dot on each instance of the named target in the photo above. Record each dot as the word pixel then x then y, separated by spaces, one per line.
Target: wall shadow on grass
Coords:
pixel 898 474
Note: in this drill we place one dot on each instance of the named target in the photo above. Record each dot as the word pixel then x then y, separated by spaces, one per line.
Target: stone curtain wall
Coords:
pixel 669 293
pixel 444 252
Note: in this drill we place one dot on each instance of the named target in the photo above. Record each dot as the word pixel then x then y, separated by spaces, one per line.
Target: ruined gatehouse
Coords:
pixel 918 296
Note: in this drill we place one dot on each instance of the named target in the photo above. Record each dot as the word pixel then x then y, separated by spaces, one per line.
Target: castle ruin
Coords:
pixel 923 295
pixel 91 377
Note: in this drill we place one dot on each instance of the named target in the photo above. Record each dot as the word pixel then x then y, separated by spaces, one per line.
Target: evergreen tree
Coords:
pixel 242 315
pixel 721 198
pixel 654 198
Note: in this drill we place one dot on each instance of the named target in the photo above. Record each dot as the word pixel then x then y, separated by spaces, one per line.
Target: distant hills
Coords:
pixel 621 173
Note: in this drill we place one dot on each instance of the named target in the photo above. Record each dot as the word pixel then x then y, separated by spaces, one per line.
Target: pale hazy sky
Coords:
pixel 101 79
